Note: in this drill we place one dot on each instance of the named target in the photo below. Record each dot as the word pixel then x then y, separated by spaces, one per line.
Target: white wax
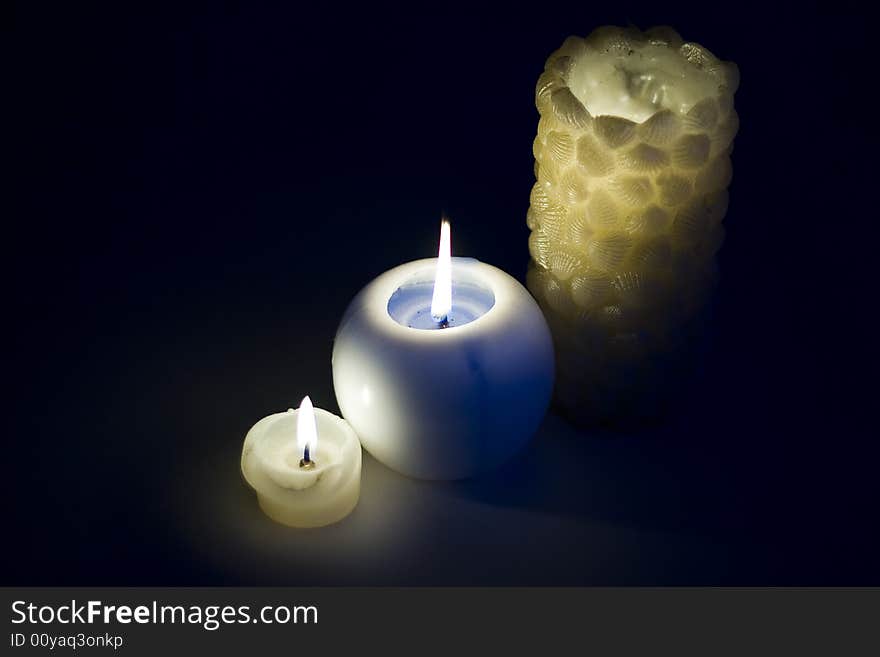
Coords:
pixel 638 86
pixel 295 496
pixel 450 402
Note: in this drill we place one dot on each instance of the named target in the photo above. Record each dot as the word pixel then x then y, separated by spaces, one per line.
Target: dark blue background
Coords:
pixel 198 193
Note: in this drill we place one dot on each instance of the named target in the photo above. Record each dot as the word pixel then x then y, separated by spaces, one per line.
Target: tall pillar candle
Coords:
pixel 632 160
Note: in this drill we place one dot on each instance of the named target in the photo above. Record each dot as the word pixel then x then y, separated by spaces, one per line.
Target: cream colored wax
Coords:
pixel 632 160
pixel 322 493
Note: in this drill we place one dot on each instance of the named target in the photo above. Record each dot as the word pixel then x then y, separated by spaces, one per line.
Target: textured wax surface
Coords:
pixel 632 160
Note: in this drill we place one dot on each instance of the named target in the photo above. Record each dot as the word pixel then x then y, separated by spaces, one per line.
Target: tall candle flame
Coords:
pixel 306 429
pixel 441 302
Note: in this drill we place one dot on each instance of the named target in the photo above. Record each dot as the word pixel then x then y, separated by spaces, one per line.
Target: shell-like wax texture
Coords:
pixel 632 165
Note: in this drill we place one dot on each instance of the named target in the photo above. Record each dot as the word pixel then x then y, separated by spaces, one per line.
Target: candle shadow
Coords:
pixel 656 465
pixel 643 475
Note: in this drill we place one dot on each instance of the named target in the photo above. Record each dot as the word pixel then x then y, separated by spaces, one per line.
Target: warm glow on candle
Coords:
pixel 441 302
pixel 306 429
pixel 632 165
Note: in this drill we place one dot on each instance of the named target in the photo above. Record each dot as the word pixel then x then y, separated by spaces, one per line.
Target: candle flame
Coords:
pixel 441 302
pixel 306 429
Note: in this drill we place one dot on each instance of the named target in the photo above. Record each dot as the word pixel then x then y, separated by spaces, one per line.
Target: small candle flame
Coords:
pixel 306 429
pixel 441 302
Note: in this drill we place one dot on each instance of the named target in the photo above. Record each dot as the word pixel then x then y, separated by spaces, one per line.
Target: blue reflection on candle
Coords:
pixel 410 305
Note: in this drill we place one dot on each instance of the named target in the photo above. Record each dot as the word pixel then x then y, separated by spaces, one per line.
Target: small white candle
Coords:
pixel 305 466
pixel 443 366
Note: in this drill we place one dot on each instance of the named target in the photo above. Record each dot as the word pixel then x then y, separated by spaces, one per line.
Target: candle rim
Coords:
pixel 425 275
pixel 605 41
pixel 345 468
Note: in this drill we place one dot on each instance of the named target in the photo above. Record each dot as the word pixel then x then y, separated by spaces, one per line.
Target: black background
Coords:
pixel 199 191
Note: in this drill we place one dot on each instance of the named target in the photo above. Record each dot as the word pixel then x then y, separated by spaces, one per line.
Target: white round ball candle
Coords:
pixel 305 466
pixel 443 366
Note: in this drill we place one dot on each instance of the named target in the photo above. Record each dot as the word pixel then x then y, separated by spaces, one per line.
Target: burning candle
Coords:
pixel 441 299
pixel 443 366
pixel 305 466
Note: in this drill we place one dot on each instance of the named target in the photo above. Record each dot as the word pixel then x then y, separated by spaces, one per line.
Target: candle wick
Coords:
pixel 306 462
pixel 443 323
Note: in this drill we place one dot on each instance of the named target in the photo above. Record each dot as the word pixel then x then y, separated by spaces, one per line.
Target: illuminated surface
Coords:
pixel 632 160
pixel 602 511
